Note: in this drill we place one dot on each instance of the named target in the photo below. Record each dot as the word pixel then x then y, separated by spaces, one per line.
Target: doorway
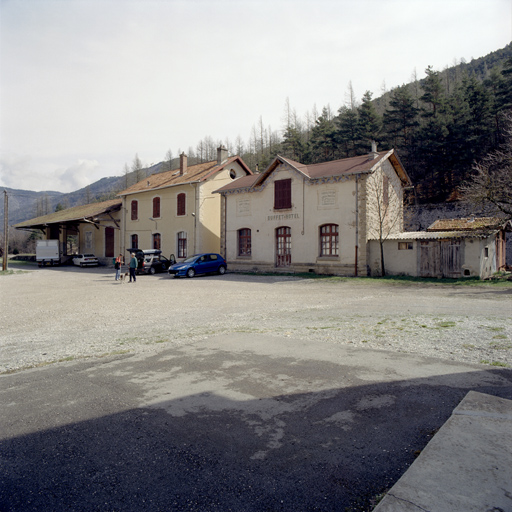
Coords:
pixel 283 246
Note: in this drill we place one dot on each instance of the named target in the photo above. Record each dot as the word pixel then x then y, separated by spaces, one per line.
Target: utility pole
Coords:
pixel 6 233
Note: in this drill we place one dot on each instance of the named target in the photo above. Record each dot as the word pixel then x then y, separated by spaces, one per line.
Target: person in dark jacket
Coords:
pixel 133 267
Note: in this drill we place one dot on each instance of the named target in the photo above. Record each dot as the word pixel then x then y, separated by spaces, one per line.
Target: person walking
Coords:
pixel 133 267
pixel 117 265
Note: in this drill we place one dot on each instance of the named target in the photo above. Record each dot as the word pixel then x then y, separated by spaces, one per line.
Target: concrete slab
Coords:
pixel 466 467
pixel 240 422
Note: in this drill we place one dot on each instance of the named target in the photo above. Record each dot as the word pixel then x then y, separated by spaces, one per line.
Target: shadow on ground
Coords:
pixel 87 447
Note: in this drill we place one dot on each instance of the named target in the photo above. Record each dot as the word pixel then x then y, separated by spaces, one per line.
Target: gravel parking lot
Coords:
pixel 60 314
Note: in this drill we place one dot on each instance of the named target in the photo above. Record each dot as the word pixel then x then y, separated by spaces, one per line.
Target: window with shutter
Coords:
pixel 181 210
pixel 156 207
pixel 282 194
pixel 135 210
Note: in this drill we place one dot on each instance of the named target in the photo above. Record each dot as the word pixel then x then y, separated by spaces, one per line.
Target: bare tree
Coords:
pixel 384 199
pixel 350 97
pixel 489 188
pixel 168 160
pixel 126 176
pixel 239 146
pixel 137 168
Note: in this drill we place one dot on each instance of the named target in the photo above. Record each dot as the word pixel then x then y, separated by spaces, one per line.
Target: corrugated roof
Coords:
pixel 86 211
pixel 436 235
pixel 467 224
pixel 193 174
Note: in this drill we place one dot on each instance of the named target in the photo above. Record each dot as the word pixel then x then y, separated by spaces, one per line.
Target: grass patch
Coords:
pixel 500 346
pixel 495 363
pixel 467 281
pixel 445 325
pixel 12 272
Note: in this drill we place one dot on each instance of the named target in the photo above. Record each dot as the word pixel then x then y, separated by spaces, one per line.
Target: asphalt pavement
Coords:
pixel 241 422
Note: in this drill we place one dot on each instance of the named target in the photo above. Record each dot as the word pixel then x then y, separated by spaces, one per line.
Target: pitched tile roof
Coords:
pixel 86 211
pixel 240 183
pixel 354 165
pixel 193 174
pixel 346 166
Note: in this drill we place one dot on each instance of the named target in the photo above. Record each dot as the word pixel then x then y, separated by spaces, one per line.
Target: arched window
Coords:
pixel 135 242
pixel 135 210
pixel 157 241
pixel 181 207
pixel 182 244
pixel 329 240
pixel 156 207
pixel 244 242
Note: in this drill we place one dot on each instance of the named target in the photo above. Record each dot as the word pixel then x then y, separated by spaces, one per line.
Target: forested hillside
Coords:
pixel 440 125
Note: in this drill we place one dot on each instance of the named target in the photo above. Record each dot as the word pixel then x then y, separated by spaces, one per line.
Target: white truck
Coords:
pixel 48 252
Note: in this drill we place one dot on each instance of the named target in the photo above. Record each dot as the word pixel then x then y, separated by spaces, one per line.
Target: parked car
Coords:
pixel 84 260
pixel 155 262
pixel 199 264
pixel 151 261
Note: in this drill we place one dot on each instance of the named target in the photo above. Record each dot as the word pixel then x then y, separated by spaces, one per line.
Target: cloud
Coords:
pixel 17 171
pixel 85 85
pixel 77 176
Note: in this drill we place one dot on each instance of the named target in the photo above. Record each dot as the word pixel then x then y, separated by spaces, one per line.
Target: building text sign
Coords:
pixel 283 216
pixel 243 207
pixel 327 199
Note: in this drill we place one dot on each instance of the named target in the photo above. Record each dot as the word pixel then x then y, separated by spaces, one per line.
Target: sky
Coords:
pixel 86 85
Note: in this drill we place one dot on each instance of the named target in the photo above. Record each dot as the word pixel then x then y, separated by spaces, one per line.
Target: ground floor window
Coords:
pixel 157 241
pixel 329 240
pixel 135 242
pixel 182 244
pixel 405 246
pixel 244 242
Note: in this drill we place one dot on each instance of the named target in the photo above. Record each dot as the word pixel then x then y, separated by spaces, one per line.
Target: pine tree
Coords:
pixel 347 131
pixel 369 124
pixel 322 143
pixel 432 98
pixel 401 121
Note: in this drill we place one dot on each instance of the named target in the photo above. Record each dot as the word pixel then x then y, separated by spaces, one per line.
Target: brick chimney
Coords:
pixel 183 164
pixel 222 154
pixel 373 153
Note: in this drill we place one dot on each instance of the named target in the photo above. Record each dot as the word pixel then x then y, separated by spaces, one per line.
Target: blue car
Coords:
pixel 199 264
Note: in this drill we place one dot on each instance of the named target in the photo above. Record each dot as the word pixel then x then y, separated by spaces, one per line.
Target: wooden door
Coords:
pixel 430 264
pixel 109 242
pixel 440 258
pixel 451 258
